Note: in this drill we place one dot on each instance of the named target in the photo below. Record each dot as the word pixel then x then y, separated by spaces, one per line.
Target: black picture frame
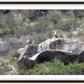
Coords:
pixel 41 2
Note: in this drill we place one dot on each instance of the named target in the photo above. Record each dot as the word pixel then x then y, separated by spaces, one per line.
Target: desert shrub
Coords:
pixel 8 62
pixel 56 67
pixel 44 20
pixel 11 45
pixel 4 66
pixel 6 31
pixel 78 13
pixel 54 16
pixel 56 27
pixel 5 62
pixel 45 68
pixel 40 38
pixel 33 14
pixel 75 13
pixel 68 24
pixel 70 35
pixel 11 31
pixel 4 69
pixel 75 68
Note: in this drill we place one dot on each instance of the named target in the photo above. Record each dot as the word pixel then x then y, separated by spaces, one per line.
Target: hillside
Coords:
pixel 17 26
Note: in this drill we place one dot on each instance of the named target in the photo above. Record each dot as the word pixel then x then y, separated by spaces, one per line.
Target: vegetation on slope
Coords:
pixel 56 67
pixel 19 25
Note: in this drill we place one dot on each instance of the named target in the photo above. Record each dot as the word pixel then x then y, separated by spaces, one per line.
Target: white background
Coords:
pixel 40 77
pixel 42 6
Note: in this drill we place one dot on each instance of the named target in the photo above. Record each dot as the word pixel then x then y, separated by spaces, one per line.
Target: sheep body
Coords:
pixel 30 41
pixel 57 34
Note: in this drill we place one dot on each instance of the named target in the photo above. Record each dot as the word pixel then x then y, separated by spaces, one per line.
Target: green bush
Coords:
pixel 6 31
pixel 9 31
pixel 46 68
pixel 5 62
pixel 56 26
pixel 75 13
pixel 68 24
pixel 78 13
pixel 56 67
pixel 54 16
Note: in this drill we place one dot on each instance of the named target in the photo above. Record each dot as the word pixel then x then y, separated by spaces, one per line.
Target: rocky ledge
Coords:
pixel 64 49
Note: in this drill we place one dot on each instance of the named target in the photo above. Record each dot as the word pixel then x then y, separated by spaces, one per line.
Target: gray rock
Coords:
pixel 66 50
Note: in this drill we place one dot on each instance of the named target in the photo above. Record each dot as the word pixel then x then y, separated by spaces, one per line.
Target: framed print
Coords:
pixel 41 42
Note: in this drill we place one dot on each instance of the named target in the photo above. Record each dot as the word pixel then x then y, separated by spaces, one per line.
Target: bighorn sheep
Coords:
pixel 57 34
pixel 30 41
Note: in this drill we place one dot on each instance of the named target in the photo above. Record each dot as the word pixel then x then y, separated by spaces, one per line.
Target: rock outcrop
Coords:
pixel 66 50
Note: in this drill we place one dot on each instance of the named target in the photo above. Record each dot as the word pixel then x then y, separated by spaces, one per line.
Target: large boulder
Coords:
pixel 66 50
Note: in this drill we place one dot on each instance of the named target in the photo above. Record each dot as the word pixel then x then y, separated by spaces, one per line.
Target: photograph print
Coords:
pixel 41 42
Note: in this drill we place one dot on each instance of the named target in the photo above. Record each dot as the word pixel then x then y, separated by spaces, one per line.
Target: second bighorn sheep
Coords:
pixel 57 34
pixel 30 41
